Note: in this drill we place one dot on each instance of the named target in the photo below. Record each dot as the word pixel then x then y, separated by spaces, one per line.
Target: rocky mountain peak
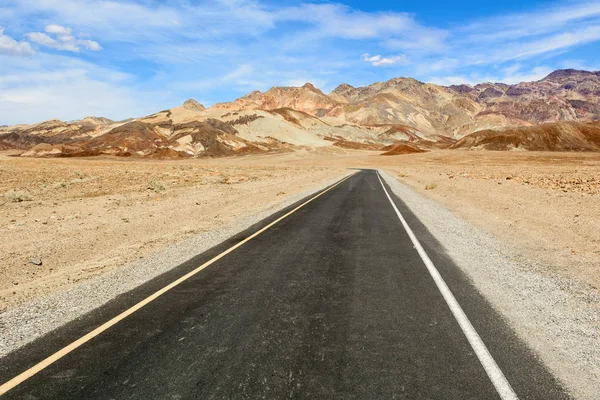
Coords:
pixel 343 88
pixel 193 105
pixel 311 88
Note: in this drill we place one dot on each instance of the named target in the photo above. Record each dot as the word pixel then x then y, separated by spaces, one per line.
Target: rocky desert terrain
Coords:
pixel 82 197
pixel 90 209
pixel 83 217
pixel 66 220
pixel 67 187
pixel 555 113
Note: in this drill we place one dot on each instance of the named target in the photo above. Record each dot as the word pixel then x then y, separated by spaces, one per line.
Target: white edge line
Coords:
pixel 496 375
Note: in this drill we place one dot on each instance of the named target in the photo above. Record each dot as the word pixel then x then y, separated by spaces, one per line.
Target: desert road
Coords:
pixel 341 296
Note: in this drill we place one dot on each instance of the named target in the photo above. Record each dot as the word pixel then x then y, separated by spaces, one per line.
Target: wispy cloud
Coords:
pixel 527 24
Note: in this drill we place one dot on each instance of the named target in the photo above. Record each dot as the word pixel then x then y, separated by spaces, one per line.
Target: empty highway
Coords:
pixel 342 296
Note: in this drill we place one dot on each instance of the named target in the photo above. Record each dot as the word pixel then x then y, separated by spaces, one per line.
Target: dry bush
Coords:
pixel 17 196
pixel 156 186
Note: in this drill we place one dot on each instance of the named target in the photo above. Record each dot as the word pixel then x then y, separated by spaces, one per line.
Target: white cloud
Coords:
pixel 57 29
pixel 63 39
pixel 11 47
pixel 41 38
pixel 378 60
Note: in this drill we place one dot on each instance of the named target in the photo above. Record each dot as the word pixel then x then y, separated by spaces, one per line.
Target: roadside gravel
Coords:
pixel 557 317
pixel 27 322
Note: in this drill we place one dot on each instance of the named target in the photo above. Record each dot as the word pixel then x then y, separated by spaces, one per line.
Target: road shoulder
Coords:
pixel 558 318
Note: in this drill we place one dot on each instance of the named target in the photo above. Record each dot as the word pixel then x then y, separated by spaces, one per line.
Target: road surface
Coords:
pixel 331 301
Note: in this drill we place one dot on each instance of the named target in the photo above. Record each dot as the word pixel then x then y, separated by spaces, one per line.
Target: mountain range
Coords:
pixel 557 112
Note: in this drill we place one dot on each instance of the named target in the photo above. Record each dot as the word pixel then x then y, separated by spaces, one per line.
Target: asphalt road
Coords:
pixel 331 302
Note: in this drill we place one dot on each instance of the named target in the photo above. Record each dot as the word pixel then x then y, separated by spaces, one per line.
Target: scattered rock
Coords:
pixel 35 261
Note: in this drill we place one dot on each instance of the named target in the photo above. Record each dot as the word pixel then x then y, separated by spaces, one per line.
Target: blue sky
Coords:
pixel 70 58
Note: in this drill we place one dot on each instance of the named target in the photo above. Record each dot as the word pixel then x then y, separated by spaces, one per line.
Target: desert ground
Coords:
pixel 84 217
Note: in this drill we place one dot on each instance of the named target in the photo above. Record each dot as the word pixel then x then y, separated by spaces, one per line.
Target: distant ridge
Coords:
pixel 383 114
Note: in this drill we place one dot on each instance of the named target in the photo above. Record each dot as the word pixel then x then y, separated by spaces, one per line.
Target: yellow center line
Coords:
pixel 23 376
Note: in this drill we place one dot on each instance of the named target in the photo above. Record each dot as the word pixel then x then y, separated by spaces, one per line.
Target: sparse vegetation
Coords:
pixel 17 196
pixel 245 119
pixel 156 186
pixel 60 185
pixel 430 186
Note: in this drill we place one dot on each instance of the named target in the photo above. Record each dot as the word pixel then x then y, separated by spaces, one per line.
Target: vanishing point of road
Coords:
pixel 344 295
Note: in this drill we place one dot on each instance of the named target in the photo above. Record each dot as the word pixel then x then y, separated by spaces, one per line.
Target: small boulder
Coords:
pixel 35 261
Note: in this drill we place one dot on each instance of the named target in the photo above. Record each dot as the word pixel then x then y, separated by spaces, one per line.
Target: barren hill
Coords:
pixel 455 111
pixel 559 136
pixel 306 98
pixel 166 134
pixel 564 95
pixel 398 111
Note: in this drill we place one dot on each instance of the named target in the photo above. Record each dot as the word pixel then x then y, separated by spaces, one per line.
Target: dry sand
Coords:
pixel 86 218
pixel 83 217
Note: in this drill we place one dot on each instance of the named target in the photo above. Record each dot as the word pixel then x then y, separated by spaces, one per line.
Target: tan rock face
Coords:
pixel 373 116
pixel 564 95
pixel 455 111
pixel 156 136
pixel 558 136
pixel 306 98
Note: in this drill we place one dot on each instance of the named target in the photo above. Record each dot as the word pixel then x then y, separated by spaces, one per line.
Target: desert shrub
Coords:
pixel 17 196
pixel 60 185
pixel 156 186
pixel 80 175
pixel 430 186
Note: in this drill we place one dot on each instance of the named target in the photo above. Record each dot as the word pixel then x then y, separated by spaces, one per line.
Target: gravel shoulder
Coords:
pixel 557 316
